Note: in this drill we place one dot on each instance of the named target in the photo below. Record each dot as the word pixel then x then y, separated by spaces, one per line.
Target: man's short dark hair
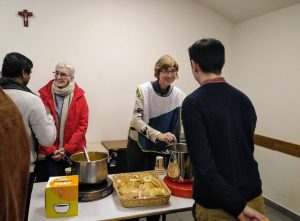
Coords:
pixel 209 54
pixel 14 64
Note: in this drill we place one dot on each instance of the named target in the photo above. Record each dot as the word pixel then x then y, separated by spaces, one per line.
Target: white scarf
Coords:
pixel 66 92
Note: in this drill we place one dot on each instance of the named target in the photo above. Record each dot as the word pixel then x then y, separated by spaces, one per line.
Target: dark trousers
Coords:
pixel 139 160
pixel 41 171
pixel 56 168
pixel 29 190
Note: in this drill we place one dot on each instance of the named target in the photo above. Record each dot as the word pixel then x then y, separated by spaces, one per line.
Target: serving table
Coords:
pixel 108 208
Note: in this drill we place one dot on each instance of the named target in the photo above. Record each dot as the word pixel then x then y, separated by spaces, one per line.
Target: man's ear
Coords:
pixel 23 74
pixel 192 64
pixel 195 66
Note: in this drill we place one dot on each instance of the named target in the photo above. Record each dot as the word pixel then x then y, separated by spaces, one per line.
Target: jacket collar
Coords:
pixel 214 80
pixel 46 90
pixel 9 83
pixel 159 91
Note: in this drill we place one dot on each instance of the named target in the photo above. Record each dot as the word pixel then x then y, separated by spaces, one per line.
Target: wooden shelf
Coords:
pixel 267 142
pixel 278 145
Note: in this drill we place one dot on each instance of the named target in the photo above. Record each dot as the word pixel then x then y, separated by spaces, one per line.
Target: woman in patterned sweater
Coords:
pixel 156 116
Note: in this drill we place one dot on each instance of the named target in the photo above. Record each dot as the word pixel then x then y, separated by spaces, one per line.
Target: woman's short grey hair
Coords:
pixel 70 68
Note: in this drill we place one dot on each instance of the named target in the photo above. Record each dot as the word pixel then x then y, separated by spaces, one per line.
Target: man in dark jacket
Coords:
pixel 219 123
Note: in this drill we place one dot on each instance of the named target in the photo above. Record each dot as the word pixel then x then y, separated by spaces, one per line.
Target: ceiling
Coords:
pixel 241 10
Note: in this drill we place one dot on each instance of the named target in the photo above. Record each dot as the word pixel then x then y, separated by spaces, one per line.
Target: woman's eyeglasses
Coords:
pixel 173 72
pixel 61 74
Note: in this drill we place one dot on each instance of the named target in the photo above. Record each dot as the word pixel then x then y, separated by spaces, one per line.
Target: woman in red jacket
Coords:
pixel 67 103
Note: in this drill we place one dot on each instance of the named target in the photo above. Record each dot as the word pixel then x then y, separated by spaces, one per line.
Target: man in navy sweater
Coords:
pixel 219 123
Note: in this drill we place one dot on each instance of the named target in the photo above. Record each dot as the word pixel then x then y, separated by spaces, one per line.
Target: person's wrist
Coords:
pixel 157 138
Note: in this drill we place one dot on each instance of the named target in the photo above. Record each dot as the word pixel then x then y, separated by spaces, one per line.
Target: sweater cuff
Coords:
pixel 237 210
pixel 156 137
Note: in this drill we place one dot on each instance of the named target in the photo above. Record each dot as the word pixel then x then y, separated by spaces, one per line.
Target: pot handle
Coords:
pixel 112 159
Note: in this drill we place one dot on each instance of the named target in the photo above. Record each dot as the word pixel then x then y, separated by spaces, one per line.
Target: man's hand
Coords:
pixel 249 214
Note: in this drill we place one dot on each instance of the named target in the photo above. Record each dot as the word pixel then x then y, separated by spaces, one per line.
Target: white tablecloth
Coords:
pixel 108 208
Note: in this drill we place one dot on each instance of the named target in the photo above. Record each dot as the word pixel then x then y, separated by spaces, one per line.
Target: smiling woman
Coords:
pixel 156 117
pixel 66 101
pixel 63 75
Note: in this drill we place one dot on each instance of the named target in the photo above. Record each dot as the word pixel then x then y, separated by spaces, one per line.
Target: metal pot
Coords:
pixel 179 167
pixel 91 172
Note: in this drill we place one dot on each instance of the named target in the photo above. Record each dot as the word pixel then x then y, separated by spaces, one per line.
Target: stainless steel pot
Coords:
pixel 179 167
pixel 91 172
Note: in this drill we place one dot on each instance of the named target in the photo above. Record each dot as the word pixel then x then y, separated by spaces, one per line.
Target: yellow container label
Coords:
pixel 61 196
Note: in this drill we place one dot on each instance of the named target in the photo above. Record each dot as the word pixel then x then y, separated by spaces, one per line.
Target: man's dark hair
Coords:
pixel 209 54
pixel 14 64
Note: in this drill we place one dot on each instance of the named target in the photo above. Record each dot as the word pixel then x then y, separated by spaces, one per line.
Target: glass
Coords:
pixel 173 72
pixel 61 74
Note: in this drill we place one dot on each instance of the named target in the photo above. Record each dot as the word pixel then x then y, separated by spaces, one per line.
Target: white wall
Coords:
pixel 266 54
pixel 113 46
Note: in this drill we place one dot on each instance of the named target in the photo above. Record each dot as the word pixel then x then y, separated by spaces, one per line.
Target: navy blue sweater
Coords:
pixel 219 123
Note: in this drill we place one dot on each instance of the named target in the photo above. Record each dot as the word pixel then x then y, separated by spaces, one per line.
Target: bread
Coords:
pixel 173 170
pixel 152 180
pixel 143 185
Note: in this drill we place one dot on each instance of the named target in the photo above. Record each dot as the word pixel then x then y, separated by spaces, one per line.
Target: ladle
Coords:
pixel 86 154
pixel 173 154
pixel 175 145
